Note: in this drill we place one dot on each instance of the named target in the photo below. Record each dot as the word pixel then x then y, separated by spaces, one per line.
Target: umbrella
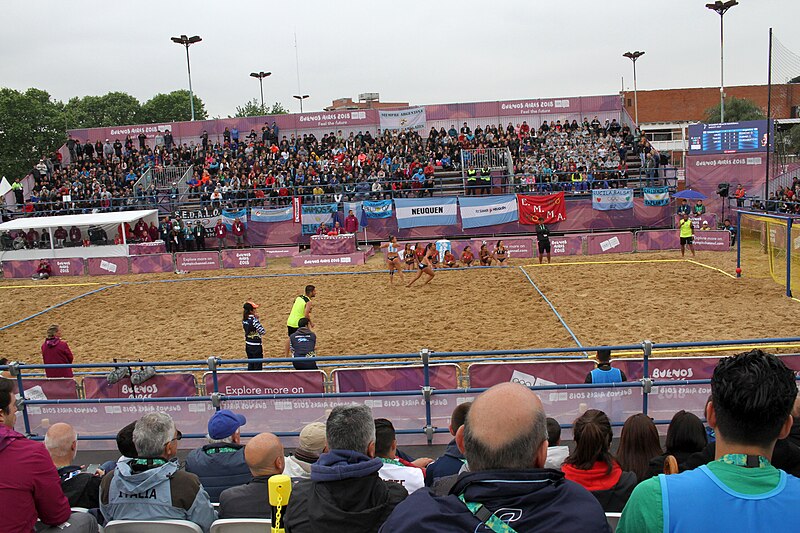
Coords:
pixel 690 194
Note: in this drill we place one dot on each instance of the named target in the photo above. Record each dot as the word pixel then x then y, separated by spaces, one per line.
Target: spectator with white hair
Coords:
pixel 152 486
pixel 81 488
pixel 220 464
pixel 312 444
pixel 345 493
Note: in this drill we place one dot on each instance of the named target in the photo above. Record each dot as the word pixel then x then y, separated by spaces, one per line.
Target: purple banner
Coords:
pixel 105 266
pixel 529 374
pixel 719 241
pixel 697 221
pixel 609 243
pixel 146 264
pixel 659 239
pixel 705 172
pixel 159 386
pixel 281 251
pixel 402 378
pixel 566 245
pixel 70 266
pixel 191 261
pixel 254 257
pixel 334 245
pixel 267 382
pixel 51 388
pixel 358 258
pixel 144 248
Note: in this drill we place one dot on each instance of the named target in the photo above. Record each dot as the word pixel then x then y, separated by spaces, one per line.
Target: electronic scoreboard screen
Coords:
pixel 728 138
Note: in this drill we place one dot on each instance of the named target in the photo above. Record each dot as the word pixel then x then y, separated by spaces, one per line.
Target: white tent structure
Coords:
pixel 109 222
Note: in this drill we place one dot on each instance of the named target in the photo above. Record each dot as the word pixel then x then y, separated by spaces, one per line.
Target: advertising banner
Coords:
pixel 656 196
pixel 48 389
pixel 279 214
pixel 314 215
pixel 59 267
pixel 547 209
pixel 191 261
pixel 479 211
pixel 657 239
pixel 147 264
pixel 255 257
pixel 333 244
pixel 159 386
pixel 612 199
pixel 401 378
pixel 412 118
pixel 281 251
pixel 266 382
pixel 609 243
pixel 104 266
pixel 712 240
pixel 417 212
pixel 566 245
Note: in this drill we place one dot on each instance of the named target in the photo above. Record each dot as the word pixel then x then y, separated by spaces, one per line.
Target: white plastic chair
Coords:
pixel 613 520
pixel 241 525
pixel 152 526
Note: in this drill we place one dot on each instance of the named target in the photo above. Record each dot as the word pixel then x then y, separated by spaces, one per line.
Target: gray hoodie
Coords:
pixel 161 491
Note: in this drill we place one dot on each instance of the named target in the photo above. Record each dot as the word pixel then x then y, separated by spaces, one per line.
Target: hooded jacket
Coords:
pixel 527 500
pixel 343 495
pixel 56 352
pixel 160 492
pixel 612 489
pixel 29 484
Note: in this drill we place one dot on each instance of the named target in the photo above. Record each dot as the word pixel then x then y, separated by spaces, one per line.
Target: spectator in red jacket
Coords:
pixel 153 231
pixel 60 235
pixel 220 232
pixel 55 351
pixel 30 487
pixel 351 223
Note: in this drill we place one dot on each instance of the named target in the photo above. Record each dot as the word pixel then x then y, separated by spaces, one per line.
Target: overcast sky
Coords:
pixel 423 52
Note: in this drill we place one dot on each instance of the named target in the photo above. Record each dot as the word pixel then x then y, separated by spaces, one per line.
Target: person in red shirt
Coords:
pixel 449 259
pixel 238 232
pixel 467 257
pixel 55 351
pixel 43 271
pixel 220 232
pixel 337 229
pixel 351 223
pixel 153 232
pixel 322 229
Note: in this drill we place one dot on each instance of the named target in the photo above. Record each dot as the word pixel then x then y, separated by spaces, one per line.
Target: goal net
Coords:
pixel 769 247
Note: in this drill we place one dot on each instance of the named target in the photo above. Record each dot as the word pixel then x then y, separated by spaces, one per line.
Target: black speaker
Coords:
pixel 723 189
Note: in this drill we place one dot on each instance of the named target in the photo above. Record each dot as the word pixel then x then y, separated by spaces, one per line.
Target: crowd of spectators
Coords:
pixel 785 200
pixel 505 467
pixel 267 168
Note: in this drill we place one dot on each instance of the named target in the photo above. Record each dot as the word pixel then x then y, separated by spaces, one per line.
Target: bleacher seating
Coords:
pixel 152 526
pixel 240 525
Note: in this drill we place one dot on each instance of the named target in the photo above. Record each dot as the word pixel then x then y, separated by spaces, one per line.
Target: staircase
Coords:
pixel 448 183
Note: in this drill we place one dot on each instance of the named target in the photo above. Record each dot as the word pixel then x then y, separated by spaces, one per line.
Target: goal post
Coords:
pixel 769 247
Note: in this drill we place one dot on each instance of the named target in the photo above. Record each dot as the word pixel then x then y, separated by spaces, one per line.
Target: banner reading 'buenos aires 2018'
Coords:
pixel 416 212
pixel 545 209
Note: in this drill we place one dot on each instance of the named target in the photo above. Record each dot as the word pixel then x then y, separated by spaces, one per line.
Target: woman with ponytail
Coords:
pixel 592 465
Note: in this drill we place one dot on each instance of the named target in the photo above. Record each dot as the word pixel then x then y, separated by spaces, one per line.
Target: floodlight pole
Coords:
pixel 720 8
pixel 260 77
pixel 185 41
pixel 633 56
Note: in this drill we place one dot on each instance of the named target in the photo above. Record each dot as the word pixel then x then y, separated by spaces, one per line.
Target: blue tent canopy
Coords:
pixel 690 194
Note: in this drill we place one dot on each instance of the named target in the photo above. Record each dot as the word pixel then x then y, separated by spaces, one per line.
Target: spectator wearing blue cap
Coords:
pixel 220 464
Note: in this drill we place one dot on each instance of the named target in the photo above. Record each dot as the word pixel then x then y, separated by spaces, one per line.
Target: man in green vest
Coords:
pixel 486 180
pixel 472 181
pixel 687 234
pixel 301 309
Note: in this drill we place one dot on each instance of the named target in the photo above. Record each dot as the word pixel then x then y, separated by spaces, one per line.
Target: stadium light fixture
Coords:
pixel 260 76
pixel 183 40
pixel 300 97
pixel 721 8
pixel 633 56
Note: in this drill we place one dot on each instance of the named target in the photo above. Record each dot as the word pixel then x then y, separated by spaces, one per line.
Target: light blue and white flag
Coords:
pixel 656 196
pixel 228 217
pixel 377 208
pixel 280 214
pixel 311 216
pixel 478 211
pixel 416 212
pixel 612 199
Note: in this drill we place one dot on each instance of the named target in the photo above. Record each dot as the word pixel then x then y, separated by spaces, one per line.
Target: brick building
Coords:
pixel 341 104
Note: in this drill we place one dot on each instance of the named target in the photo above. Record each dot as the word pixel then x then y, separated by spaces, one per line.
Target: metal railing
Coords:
pixel 427 393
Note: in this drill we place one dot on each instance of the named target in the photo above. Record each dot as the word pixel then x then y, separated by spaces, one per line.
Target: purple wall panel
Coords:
pixel 106 266
pixel 191 261
pixel 255 257
pixel 147 264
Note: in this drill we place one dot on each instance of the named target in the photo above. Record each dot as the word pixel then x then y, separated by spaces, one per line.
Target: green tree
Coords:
pixel 793 136
pixel 31 126
pixel 253 109
pixel 171 107
pixel 736 110
pixel 112 109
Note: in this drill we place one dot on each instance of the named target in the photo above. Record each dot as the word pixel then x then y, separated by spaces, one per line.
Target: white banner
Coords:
pixel 413 118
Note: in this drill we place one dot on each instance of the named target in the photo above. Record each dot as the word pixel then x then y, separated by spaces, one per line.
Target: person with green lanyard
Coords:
pixel 301 308
pixel 507 488
pixel 752 395
pixel 687 234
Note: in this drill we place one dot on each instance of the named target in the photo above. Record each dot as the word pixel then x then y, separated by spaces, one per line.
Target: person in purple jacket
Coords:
pixel 55 351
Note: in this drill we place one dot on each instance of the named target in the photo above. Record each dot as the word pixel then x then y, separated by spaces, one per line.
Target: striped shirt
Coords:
pixel 253 330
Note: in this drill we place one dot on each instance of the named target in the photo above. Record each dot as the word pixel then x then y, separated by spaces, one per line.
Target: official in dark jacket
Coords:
pixel 505 442
pixel 451 462
pixel 82 489
pixel 264 456
pixel 220 464
pixel 344 493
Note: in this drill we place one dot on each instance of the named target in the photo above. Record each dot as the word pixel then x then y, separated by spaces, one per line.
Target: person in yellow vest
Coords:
pixel 301 309
pixel 687 234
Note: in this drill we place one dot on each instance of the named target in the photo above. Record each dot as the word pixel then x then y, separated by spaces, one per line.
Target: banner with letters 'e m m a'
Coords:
pixel 416 212
pixel 477 211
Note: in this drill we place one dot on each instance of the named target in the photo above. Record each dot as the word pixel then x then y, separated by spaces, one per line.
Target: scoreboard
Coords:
pixel 728 138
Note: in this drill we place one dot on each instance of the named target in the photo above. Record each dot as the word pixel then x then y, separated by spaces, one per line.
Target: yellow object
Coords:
pixel 298 311
pixel 280 488
pixel 686 228
pixel 45 285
